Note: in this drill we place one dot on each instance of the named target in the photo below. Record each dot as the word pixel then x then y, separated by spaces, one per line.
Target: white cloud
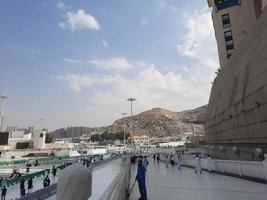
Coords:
pixel 114 63
pixel 79 20
pixel 61 25
pixel 144 21
pixel 162 5
pixel 61 6
pixel 150 87
pixel 105 43
pixel 200 43
pixel 77 82
pixel 69 60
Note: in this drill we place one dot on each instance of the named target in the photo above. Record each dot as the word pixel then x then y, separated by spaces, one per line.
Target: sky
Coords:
pixel 75 62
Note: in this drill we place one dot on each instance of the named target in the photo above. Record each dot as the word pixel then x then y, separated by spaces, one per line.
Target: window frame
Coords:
pixel 226 23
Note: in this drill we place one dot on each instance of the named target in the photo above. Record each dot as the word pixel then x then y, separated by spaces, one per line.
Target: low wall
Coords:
pixel 119 187
pixel 251 170
pixel 46 192
pixel 42 194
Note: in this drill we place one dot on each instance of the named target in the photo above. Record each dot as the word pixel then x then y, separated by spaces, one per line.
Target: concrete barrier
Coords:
pixel 250 170
pixel 119 187
pixel 42 194
pixel 46 192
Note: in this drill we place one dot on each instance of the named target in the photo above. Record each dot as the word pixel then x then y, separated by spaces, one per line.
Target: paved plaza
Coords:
pixel 171 184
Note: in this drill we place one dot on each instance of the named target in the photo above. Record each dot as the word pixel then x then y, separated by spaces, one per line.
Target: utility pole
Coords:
pixel 124 114
pixel 41 123
pixel 131 102
pixel 2 97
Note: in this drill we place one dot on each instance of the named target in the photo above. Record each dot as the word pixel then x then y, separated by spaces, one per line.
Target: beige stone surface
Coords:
pixel 237 110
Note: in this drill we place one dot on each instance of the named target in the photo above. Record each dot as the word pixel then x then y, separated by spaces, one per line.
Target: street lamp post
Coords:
pixel 124 114
pixel 131 102
pixel 2 97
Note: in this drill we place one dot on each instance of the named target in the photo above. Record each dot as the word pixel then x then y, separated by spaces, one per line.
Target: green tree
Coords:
pixel 48 138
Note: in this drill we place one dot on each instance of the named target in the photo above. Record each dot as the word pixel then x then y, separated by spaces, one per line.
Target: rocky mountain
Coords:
pixel 155 122
pixel 162 122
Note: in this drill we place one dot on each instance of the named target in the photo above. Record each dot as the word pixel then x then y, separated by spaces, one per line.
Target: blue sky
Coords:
pixel 75 62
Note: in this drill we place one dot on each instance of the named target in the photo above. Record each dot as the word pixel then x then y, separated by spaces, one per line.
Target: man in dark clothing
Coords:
pixel 3 194
pixel 141 179
pixel 158 158
pixel 22 183
pixel 30 185
pixel 22 187
pixel 46 181
pixel 54 171
pixel 27 168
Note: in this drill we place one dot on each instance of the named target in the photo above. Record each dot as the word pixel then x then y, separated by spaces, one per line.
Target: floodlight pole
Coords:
pixel 2 97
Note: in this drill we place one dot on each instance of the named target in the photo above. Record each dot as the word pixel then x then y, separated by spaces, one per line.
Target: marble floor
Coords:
pixel 171 184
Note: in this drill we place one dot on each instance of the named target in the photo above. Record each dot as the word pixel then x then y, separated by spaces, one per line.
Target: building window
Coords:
pixel 228 35
pixel 229 43
pixel 222 4
pixel 226 20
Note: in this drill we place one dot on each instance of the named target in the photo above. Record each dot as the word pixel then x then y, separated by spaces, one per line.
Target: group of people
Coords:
pixel 198 164
pixel 173 160
pixel 46 181
pixel 156 157
pixel 22 186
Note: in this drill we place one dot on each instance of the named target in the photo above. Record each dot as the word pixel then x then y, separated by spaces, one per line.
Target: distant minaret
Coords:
pixel 232 21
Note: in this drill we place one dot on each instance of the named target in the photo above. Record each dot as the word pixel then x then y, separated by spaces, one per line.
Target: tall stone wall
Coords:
pixel 237 110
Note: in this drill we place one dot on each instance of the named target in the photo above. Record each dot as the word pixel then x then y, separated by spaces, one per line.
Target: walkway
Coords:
pixel 169 183
pixel 102 177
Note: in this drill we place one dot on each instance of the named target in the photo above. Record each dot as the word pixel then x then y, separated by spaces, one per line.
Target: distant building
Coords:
pixel 71 132
pixel 141 140
pixel 232 21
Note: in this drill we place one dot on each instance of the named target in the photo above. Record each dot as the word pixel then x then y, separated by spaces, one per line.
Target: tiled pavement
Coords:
pixel 171 184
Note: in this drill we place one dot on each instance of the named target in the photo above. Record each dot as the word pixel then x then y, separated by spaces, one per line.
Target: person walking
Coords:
pixel 158 158
pixel 209 162
pixel 167 161
pixel 3 193
pixel 172 160
pixel 22 187
pixel 154 157
pixel 179 162
pixel 197 164
pixel 141 179
pixel 30 185
pixel 145 162
pixel 46 181
pixel 54 171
